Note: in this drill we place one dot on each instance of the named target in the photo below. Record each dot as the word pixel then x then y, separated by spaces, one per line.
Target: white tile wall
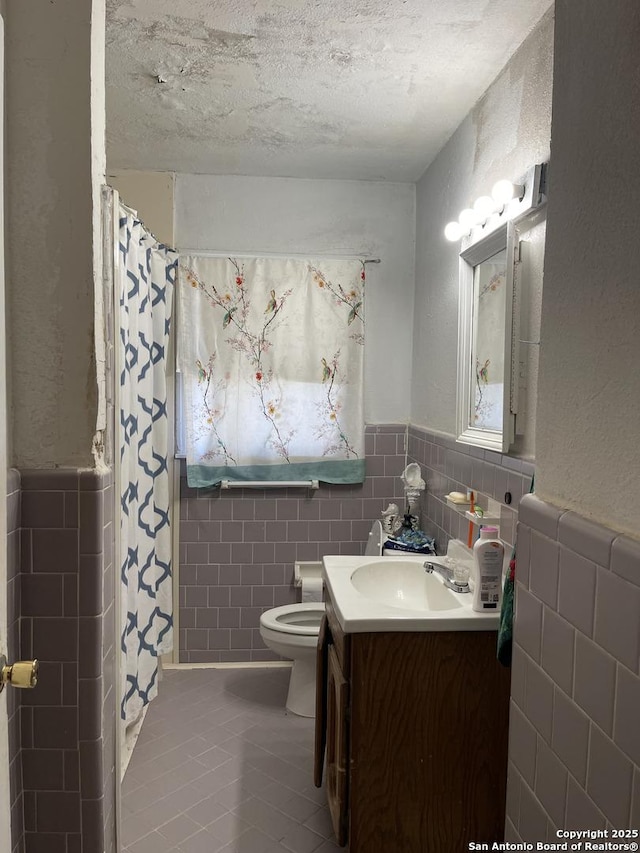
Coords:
pixel 609 778
pixel 577 590
pixel 529 622
pixel 570 735
pixel 617 623
pixel 558 640
pixel 551 783
pixel 538 700
pixel 522 745
pixel 581 813
pixel 626 732
pixel 574 741
pixel 595 682
pixel 544 584
pixel 635 806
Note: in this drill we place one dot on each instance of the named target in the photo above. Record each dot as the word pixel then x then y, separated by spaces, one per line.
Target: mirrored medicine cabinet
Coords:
pixel 494 328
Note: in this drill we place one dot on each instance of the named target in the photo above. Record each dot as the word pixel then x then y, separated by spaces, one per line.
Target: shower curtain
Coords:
pixel 145 277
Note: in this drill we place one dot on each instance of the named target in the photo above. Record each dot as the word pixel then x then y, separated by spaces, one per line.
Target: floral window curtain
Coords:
pixel 146 277
pixel 271 355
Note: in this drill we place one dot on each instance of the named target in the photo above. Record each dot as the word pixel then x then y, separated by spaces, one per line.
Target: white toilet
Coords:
pixel 292 632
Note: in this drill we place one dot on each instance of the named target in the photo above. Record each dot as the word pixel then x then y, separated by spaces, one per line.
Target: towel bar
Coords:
pixel 269 484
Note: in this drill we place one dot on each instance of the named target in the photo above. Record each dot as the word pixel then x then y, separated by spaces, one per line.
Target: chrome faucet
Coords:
pixel 447 575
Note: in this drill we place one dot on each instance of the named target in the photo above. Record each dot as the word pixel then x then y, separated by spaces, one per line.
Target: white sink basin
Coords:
pixel 373 594
pixel 403 584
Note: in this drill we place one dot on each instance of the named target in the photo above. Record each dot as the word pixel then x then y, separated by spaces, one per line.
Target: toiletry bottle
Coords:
pixel 488 559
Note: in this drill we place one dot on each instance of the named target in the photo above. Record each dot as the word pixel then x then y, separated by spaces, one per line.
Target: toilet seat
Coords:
pixel 301 619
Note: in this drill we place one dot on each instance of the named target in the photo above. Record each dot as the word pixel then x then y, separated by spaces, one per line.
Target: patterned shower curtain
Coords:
pixel 146 277
pixel 270 352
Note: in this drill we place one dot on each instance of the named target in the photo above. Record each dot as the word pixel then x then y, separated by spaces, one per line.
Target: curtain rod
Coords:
pixel 337 257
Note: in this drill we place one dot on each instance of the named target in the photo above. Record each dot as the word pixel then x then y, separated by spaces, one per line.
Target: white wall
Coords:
pixel 151 195
pixel 506 133
pixel 55 148
pixel 589 390
pixel 322 217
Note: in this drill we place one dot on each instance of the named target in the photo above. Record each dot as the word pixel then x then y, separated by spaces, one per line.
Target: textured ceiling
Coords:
pixel 364 89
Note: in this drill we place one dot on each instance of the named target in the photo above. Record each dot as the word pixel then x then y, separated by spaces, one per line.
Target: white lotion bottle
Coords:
pixel 488 559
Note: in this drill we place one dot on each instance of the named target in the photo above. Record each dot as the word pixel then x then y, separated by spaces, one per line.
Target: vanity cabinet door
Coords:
pixel 324 638
pixel 337 746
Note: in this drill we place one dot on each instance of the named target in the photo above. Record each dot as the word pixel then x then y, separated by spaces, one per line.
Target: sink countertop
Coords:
pixel 358 613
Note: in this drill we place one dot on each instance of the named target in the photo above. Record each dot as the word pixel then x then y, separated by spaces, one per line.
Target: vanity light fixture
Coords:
pixel 468 219
pixel 453 232
pixel 485 206
pixel 503 191
pixel 508 201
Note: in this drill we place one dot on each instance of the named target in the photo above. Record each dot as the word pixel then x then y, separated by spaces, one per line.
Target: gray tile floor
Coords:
pixel 219 767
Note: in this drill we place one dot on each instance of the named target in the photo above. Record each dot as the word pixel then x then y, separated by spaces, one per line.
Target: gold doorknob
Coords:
pixel 22 673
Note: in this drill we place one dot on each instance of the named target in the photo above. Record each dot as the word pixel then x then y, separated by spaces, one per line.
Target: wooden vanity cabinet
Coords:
pixel 332 720
pixel 412 731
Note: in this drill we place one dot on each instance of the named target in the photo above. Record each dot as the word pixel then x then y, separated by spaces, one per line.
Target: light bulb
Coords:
pixel 468 218
pixel 453 232
pixel 484 207
pixel 503 191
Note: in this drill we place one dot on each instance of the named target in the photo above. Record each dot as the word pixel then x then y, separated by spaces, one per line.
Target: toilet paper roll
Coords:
pixel 312 589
